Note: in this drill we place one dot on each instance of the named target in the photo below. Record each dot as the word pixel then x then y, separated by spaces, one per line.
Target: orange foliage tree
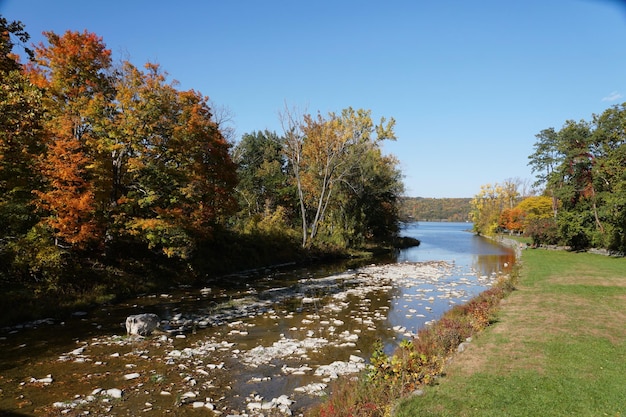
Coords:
pixel 127 154
pixel 73 72
pixel 174 176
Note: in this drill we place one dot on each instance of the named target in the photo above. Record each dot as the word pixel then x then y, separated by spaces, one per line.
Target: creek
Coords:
pixel 268 343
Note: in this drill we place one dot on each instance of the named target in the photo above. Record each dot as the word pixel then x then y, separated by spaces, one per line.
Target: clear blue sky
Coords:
pixel 469 83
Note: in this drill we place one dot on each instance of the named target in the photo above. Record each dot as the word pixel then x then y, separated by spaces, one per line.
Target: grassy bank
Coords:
pixel 558 348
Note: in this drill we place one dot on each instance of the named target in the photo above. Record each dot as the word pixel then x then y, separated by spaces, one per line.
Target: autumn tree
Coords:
pixel 73 70
pixel 174 177
pixel 487 206
pixel 325 153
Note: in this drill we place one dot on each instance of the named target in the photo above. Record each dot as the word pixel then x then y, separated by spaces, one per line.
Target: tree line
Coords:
pixel 435 209
pixel 582 171
pixel 102 160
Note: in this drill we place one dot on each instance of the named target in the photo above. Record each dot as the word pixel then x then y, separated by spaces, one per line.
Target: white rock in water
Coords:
pixel 131 376
pixel 78 351
pixel 47 380
pixel 142 324
pixel 253 406
pixel 114 393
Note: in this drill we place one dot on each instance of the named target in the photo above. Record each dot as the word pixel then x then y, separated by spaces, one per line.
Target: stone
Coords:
pixel 114 393
pixel 142 324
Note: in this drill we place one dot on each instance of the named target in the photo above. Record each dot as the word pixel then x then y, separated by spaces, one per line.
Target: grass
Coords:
pixel 558 348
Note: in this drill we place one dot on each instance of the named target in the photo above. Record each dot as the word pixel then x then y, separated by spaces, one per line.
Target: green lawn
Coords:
pixel 558 348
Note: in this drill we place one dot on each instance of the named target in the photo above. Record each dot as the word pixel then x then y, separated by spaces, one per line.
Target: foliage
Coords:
pixel 335 161
pixel 114 166
pixel 582 166
pixel 264 190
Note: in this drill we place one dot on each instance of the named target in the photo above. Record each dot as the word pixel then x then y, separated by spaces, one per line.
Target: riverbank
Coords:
pixel 127 272
pixel 558 347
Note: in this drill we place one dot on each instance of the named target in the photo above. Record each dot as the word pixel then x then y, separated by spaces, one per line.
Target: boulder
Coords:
pixel 142 324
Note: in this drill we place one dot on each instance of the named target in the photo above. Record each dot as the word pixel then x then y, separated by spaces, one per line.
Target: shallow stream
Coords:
pixel 265 345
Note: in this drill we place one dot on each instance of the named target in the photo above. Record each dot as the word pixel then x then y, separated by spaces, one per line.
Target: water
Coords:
pixel 240 347
pixel 453 242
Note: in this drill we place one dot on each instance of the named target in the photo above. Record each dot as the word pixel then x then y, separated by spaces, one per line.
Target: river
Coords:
pixel 268 344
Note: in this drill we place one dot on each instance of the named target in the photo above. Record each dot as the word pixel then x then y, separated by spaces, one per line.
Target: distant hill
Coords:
pixel 435 209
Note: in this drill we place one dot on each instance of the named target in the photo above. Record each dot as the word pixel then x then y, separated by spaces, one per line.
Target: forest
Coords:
pixel 110 177
pixel 581 169
pixel 434 209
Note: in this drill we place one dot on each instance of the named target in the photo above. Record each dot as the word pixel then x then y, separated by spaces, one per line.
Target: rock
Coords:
pixel 141 324
pixel 114 393
pixel 131 376
pixel 45 381
pixel 77 351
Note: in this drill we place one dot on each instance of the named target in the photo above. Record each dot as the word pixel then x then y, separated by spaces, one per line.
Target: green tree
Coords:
pixel 20 145
pixel 544 162
pixel 368 208
pixel 262 172
pixel 609 173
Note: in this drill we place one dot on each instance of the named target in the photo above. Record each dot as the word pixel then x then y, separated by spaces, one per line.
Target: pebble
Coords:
pixel 351 295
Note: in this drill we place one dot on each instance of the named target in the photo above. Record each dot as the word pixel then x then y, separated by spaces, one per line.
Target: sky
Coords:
pixel 469 83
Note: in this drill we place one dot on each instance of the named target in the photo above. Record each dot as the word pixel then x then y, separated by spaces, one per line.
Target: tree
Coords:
pixel 368 208
pixel 261 168
pixel 73 70
pixel 545 160
pixel 176 177
pixel 537 219
pixel 20 140
pixel 9 60
pixel 292 148
pixel 325 153
pixel 609 172
pixel 511 219
pixel 487 206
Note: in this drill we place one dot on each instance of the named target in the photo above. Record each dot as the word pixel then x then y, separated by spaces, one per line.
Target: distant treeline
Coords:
pixel 435 209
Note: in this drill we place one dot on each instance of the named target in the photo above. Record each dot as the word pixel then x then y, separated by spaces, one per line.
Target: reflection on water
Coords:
pixel 454 242
pixel 244 345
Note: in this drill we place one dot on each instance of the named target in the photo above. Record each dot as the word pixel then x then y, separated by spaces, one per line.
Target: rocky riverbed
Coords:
pixel 270 352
